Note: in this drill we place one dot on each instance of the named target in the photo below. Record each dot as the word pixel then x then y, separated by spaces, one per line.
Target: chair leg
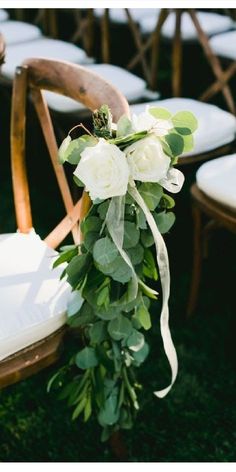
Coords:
pixel 197 261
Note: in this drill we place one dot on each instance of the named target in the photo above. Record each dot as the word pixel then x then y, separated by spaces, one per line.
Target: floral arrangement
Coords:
pixel 125 168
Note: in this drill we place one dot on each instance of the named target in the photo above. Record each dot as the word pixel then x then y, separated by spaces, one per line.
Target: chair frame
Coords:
pixel 153 43
pixel 218 216
pixel 89 88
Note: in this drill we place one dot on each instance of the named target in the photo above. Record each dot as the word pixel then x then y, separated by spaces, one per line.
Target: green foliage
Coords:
pixel 160 113
pixel 151 193
pixel 112 319
pixel 184 122
pixel 124 127
pixel 70 150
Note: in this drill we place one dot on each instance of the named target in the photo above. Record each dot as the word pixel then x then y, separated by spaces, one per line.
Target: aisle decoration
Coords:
pixel 125 169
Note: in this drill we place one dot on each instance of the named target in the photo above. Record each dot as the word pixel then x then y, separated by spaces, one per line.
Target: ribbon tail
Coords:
pixel 115 226
pixel 163 264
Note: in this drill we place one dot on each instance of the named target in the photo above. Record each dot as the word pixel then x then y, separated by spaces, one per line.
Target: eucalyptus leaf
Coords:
pixel 124 126
pixel 167 201
pixel 140 218
pixel 164 220
pixel 185 122
pixel 98 332
pixel 160 113
pixel 102 209
pixel 131 235
pixel 90 239
pixel 136 254
pixel 176 143
pixel 141 355
pixel 135 341
pixel 151 193
pixel 91 223
pixel 84 317
pixel 75 303
pixel 86 358
pixel 104 251
pixel 118 270
pixel 70 150
pixel 119 328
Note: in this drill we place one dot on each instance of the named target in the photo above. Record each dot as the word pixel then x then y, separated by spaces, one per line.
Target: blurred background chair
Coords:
pixel 213 197
pixel 211 138
pixel 33 300
pixel 149 26
pixel 223 46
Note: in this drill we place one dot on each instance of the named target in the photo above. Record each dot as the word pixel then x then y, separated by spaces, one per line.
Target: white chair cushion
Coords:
pixel 32 298
pixel 224 45
pixel 130 85
pixel 3 15
pixel 43 47
pixel 216 127
pixel 15 32
pixel 211 23
pixel 217 179
pixel 118 15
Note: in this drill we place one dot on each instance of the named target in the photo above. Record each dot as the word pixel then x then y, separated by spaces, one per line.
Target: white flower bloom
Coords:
pixel 147 160
pixel 104 170
pixel 147 122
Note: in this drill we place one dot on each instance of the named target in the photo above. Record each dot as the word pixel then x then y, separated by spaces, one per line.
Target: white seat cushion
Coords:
pixel 32 298
pixel 118 15
pixel 3 15
pixel 131 86
pixel 217 179
pixel 43 47
pixel 15 32
pixel 211 23
pixel 216 127
pixel 224 45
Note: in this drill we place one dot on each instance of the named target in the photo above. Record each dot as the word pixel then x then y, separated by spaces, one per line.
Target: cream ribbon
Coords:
pixel 163 264
pixel 115 224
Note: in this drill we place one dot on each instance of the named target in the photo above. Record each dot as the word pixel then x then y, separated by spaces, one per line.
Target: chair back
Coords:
pixel 73 81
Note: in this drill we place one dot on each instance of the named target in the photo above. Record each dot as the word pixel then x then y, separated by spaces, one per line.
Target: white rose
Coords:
pixel 147 122
pixel 147 160
pixel 104 170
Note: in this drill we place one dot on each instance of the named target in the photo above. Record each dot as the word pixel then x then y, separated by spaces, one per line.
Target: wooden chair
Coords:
pixel 221 45
pixel 213 196
pixel 153 43
pixel 87 87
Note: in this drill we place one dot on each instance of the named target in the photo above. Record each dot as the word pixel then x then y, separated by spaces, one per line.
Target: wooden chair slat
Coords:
pixel 18 166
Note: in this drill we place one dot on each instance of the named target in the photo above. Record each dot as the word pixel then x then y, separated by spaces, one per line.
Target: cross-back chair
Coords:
pixel 21 358
pixel 152 43
pixel 213 197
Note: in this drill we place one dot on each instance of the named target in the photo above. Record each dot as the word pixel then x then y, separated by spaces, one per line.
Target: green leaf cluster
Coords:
pixel 101 378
